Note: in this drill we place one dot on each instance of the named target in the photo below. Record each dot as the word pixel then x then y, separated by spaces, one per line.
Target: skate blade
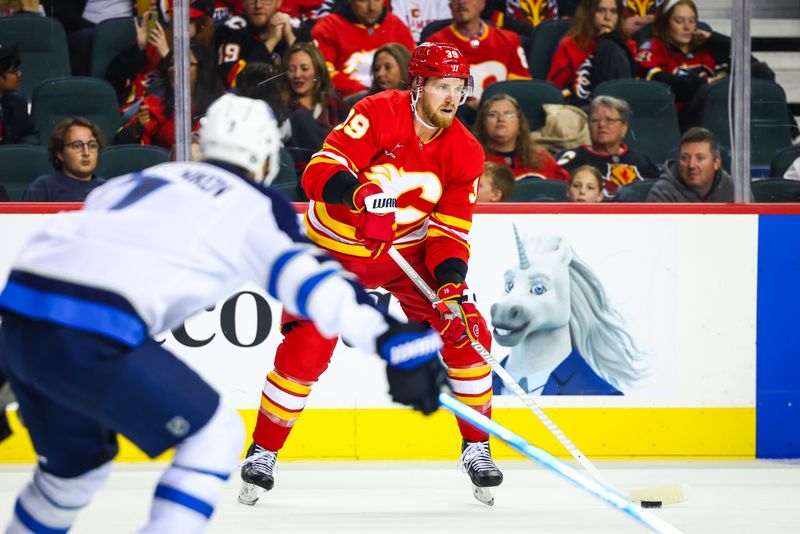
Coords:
pixel 248 494
pixel 485 495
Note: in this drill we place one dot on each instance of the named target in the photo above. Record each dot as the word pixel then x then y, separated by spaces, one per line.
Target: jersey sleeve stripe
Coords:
pixel 277 268
pixel 449 220
pixel 304 293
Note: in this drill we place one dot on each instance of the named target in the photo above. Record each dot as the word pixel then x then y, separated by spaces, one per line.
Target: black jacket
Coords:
pixel 18 127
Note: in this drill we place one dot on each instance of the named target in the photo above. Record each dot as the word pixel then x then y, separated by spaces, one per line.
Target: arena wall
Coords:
pixel 707 294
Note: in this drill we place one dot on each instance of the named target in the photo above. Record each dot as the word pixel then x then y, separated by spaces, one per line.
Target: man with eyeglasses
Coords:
pixel 609 118
pixel 73 151
pixel 16 125
pixel 399 171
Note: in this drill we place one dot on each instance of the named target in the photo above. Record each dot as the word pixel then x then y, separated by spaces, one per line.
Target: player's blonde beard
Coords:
pixel 430 115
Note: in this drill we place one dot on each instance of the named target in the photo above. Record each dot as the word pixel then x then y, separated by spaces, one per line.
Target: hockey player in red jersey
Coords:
pixel 398 171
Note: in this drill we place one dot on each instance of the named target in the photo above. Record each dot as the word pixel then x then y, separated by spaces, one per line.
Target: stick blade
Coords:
pixel 666 495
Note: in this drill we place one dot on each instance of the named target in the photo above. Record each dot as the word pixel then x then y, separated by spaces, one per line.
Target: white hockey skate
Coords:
pixel 258 473
pixel 476 461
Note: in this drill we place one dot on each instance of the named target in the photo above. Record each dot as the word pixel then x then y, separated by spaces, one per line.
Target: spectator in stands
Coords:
pixel 793 172
pixel 262 36
pixel 609 118
pixel 311 99
pixel 697 176
pixel 74 147
pixel 389 71
pixel 16 125
pixel 595 49
pixel 262 81
pixel 688 59
pixel 585 185
pixel 496 184
pixel 636 14
pixel 154 121
pixel 135 72
pixel 79 17
pixel 349 38
pixel 416 14
pixel 503 131
pixel 493 54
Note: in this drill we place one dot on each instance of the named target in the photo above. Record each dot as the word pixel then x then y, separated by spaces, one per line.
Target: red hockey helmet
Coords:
pixel 440 60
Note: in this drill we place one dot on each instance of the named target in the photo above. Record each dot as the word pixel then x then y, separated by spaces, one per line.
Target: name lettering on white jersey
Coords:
pixel 206 182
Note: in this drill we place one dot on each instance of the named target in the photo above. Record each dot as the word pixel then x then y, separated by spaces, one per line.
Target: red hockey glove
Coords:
pixel 376 223
pixel 462 324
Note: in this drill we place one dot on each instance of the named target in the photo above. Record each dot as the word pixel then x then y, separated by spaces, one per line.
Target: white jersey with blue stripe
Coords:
pixel 149 249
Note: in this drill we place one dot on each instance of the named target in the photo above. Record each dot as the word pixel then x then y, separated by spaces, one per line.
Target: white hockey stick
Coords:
pixel 655 496
pixel 507 379
pixel 594 487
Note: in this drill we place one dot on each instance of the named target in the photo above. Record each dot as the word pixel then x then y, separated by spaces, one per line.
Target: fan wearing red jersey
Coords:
pixel 399 171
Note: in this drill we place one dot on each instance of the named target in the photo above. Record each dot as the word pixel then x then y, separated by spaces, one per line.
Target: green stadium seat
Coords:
pixel 770 129
pixel 287 173
pixel 654 129
pixel 543 44
pixel 783 160
pixel 776 190
pixel 42 46
pixel 111 38
pixel 635 191
pixel 537 190
pixel 20 165
pixel 117 160
pixel 75 96
pixel 531 95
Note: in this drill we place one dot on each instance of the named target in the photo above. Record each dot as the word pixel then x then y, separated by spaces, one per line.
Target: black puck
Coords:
pixel 651 504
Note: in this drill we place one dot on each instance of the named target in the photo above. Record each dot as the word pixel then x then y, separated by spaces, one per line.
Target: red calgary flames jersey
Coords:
pixel 348 48
pixel 640 7
pixel 435 182
pixel 495 56
pixel 654 56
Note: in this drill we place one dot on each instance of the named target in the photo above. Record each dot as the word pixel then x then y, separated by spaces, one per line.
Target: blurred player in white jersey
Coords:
pixel 91 288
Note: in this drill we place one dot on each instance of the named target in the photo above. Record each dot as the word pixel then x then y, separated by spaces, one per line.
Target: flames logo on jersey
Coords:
pixel 358 66
pixel 641 7
pixel 416 192
pixel 621 174
pixel 535 11
pixel 583 80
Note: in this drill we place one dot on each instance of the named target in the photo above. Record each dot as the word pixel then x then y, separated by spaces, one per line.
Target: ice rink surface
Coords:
pixel 761 497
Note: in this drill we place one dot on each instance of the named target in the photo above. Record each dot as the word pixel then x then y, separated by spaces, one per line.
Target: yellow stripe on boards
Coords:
pixel 397 434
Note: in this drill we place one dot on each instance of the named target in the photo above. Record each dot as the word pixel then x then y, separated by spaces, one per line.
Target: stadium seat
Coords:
pixel 783 160
pixel 111 38
pixel 75 96
pixel 538 190
pixel 117 160
pixel 635 191
pixel 654 127
pixel 433 27
pixel 287 174
pixel 42 46
pixel 770 129
pixel 543 44
pixel 20 165
pixel 531 95
pixel 776 190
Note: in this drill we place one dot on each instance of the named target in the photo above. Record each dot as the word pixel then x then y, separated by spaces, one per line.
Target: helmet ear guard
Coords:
pixel 243 132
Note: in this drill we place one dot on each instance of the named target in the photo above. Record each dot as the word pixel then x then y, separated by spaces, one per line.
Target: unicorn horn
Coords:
pixel 524 263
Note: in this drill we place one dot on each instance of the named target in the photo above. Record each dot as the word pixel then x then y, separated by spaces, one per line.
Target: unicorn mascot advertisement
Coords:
pixel 565 335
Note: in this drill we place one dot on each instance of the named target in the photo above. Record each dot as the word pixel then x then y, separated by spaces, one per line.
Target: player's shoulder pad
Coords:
pixel 283 212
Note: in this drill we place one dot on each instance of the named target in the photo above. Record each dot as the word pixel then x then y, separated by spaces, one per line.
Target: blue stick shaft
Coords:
pixel 481 422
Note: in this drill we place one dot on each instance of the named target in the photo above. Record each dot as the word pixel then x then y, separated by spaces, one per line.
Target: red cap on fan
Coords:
pixel 440 60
